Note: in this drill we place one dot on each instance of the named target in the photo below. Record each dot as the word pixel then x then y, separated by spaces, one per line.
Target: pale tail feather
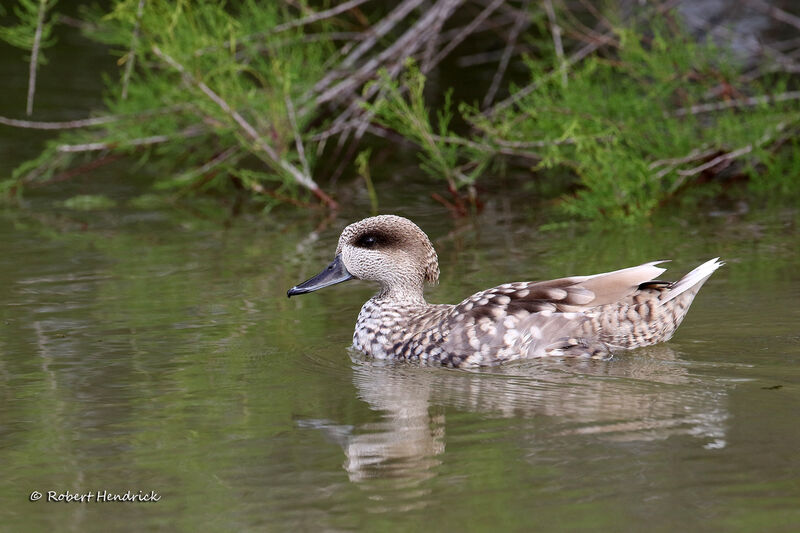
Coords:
pixel 610 287
pixel 695 278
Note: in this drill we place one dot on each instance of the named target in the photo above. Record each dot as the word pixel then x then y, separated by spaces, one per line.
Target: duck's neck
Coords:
pixel 401 295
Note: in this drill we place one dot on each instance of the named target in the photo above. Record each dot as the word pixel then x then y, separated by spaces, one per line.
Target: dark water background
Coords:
pixel 155 350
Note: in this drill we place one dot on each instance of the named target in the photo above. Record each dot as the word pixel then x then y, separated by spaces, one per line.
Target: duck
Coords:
pixel 579 316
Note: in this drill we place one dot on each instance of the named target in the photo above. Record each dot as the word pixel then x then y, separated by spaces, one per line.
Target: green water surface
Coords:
pixel 153 351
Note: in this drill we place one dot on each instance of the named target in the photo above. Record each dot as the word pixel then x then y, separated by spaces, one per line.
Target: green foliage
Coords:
pixel 22 35
pixel 172 123
pixel 222 97
pixel 89 202
pixel 776 174
pixel 147 201
pixel 622 127
pixel 621 124
pixel 402 107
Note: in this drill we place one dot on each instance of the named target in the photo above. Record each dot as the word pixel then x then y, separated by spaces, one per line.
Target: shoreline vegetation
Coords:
pixel 613 111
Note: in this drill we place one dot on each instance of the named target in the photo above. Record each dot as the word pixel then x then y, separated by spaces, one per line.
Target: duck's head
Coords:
pixel 388 249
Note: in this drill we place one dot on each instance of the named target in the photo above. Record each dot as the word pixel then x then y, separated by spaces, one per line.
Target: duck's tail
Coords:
pixel 674 301
pixel 654 312
pixel 692 281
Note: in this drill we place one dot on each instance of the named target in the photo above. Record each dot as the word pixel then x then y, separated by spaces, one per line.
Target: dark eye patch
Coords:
pixel 372 239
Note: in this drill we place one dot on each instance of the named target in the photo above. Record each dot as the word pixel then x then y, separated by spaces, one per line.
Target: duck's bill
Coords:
pixel 333 274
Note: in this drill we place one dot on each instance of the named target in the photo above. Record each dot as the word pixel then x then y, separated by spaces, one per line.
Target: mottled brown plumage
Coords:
pixel 575 316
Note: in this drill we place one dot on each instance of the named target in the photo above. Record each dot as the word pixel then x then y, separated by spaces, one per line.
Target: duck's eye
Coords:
pixel 369 240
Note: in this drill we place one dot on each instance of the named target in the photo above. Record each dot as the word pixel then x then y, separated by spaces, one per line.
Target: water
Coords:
pixel 154 351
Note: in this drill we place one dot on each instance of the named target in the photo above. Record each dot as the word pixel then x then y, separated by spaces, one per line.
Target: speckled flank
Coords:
pixel 577 316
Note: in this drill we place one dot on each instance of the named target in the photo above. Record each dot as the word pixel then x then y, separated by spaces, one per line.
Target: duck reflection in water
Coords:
pixel 649 397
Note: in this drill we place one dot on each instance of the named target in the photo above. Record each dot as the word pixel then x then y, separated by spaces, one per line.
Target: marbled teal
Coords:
pixel 586 316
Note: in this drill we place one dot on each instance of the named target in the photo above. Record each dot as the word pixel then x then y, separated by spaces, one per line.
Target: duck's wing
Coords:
pixel 572 294
pixel 529 319
pixel 584 292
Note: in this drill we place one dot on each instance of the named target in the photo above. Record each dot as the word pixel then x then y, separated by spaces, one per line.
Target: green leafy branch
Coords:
pixel 33 32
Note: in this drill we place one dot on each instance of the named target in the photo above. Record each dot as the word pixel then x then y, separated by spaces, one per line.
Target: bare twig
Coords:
pixel 528 89
pixel 573 59
pixel 132 51
pixel 406 45
pixel 776 13
pixel 364 116
pixel 75 23
pixel 746 102
pixel 355 118
pixel 379 30
pixel 435 31
pixel 697 154
pixel 249 130
pixel 335 129
pixel 245 55
pixel 468 30
pixel 598 15
pixel 694 155
pixel 70 124
pixel 446 8
pixel 493 24
pixel 320 15
pixel 385 133
pixel 344 123
pixel 730 156
pixel 313 17
pixel 555 29
pixel 192 131
pixel 37 41
pixel 520 23
pixel 361 123
pixel 670 164
pixel 501 147
pixel 87 122
pixel 216 160
pixel 786 45
pixel 455 210
pixel 584 33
